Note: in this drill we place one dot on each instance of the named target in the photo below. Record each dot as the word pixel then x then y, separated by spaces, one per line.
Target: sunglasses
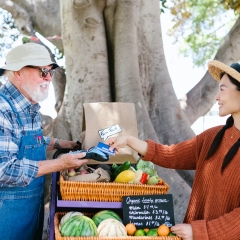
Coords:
pixel 44 71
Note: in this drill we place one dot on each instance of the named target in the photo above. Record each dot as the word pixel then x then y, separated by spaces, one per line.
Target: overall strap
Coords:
pixel 13 109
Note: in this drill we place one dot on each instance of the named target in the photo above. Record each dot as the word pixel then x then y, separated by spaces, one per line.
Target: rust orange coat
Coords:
pixel 214 206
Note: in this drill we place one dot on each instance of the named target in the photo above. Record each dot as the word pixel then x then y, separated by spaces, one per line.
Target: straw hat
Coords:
pixel 215 68
pixel 29 54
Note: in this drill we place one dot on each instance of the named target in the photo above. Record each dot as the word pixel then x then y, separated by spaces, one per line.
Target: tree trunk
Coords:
pixel 124 34
pixel 144 79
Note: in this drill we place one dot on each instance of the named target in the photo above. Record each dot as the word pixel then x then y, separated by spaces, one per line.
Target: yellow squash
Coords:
pixel 125 176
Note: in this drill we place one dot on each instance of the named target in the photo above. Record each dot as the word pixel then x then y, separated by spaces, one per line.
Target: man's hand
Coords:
pixel 65 161
pixel 77 146
pixel 63 144
pixel 69 144
pixel 183 230
pixel 69 160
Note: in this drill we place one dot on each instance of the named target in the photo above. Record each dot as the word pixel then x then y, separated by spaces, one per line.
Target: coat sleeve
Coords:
pixel 222 228
pixel 182 156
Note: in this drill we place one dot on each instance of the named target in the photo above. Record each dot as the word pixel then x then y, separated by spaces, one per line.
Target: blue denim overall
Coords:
pixel 22 208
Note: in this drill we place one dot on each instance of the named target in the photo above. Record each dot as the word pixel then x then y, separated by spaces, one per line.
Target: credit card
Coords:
pixel 105 148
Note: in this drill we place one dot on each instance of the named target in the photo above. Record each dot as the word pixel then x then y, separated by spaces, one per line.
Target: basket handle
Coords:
pixel 67 150
pixel 61 151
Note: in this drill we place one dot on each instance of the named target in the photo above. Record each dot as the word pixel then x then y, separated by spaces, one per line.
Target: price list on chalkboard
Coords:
pixel 148 211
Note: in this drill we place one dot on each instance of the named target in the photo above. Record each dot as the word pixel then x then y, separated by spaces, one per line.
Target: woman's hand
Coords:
pixel 130 141
pixel 117 142
pixel 183 231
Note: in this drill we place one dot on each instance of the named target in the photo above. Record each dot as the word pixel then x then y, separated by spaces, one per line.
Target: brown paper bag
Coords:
pixel 103 120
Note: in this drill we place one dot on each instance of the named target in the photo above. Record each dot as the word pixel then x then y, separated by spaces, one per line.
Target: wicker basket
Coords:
pixel 58 236
pixel 106 192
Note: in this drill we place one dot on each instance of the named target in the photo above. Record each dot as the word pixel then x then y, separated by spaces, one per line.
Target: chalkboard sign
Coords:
pixel 148 211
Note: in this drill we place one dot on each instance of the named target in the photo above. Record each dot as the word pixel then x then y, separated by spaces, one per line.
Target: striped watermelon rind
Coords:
pixel 105 214
pixel 79 226
pixel 67 216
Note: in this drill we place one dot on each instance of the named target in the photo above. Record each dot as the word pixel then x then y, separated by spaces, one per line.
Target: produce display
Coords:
pixel 105 223
pixel 141 173
pixel 162 230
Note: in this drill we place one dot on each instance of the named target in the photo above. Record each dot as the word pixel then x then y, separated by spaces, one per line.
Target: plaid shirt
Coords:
pixel 16 172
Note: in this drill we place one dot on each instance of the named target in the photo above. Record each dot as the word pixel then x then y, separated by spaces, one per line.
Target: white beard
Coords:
pixel 35 93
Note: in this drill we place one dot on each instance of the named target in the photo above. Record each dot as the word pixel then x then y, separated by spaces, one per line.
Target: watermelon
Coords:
pixel 67 216
pixel 79 226
pixel 103 215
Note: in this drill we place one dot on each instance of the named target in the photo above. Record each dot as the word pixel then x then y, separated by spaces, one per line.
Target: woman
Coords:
pixel 214 208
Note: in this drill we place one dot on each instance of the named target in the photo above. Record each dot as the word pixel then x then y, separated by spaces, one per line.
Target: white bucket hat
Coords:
pixel 29 54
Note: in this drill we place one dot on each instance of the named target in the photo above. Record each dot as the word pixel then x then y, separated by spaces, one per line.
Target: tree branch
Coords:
pixel 21 17
pixel 200 99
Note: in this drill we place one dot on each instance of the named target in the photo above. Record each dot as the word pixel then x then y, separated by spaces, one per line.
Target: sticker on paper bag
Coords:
pixel 109 131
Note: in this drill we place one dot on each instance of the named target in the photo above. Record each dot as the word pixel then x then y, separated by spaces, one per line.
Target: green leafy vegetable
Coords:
pixel 153 180
pixel 147 167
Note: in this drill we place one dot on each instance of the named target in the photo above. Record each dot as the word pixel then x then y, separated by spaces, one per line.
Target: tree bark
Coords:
pixel 124 34
pixel 84 41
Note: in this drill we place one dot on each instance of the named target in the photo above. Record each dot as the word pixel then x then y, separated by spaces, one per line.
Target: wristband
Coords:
pixel 56 144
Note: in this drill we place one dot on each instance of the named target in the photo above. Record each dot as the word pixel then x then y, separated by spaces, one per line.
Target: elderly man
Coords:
pixel 23 147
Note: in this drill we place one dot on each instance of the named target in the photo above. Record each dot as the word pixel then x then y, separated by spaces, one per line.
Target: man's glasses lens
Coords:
pixel 44 71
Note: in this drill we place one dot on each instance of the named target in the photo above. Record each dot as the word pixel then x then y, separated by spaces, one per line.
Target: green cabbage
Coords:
pixel 153 180
pixel 147 167
pixel 151 172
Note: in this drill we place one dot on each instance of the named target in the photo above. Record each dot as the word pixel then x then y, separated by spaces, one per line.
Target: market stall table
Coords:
pixel 58 205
